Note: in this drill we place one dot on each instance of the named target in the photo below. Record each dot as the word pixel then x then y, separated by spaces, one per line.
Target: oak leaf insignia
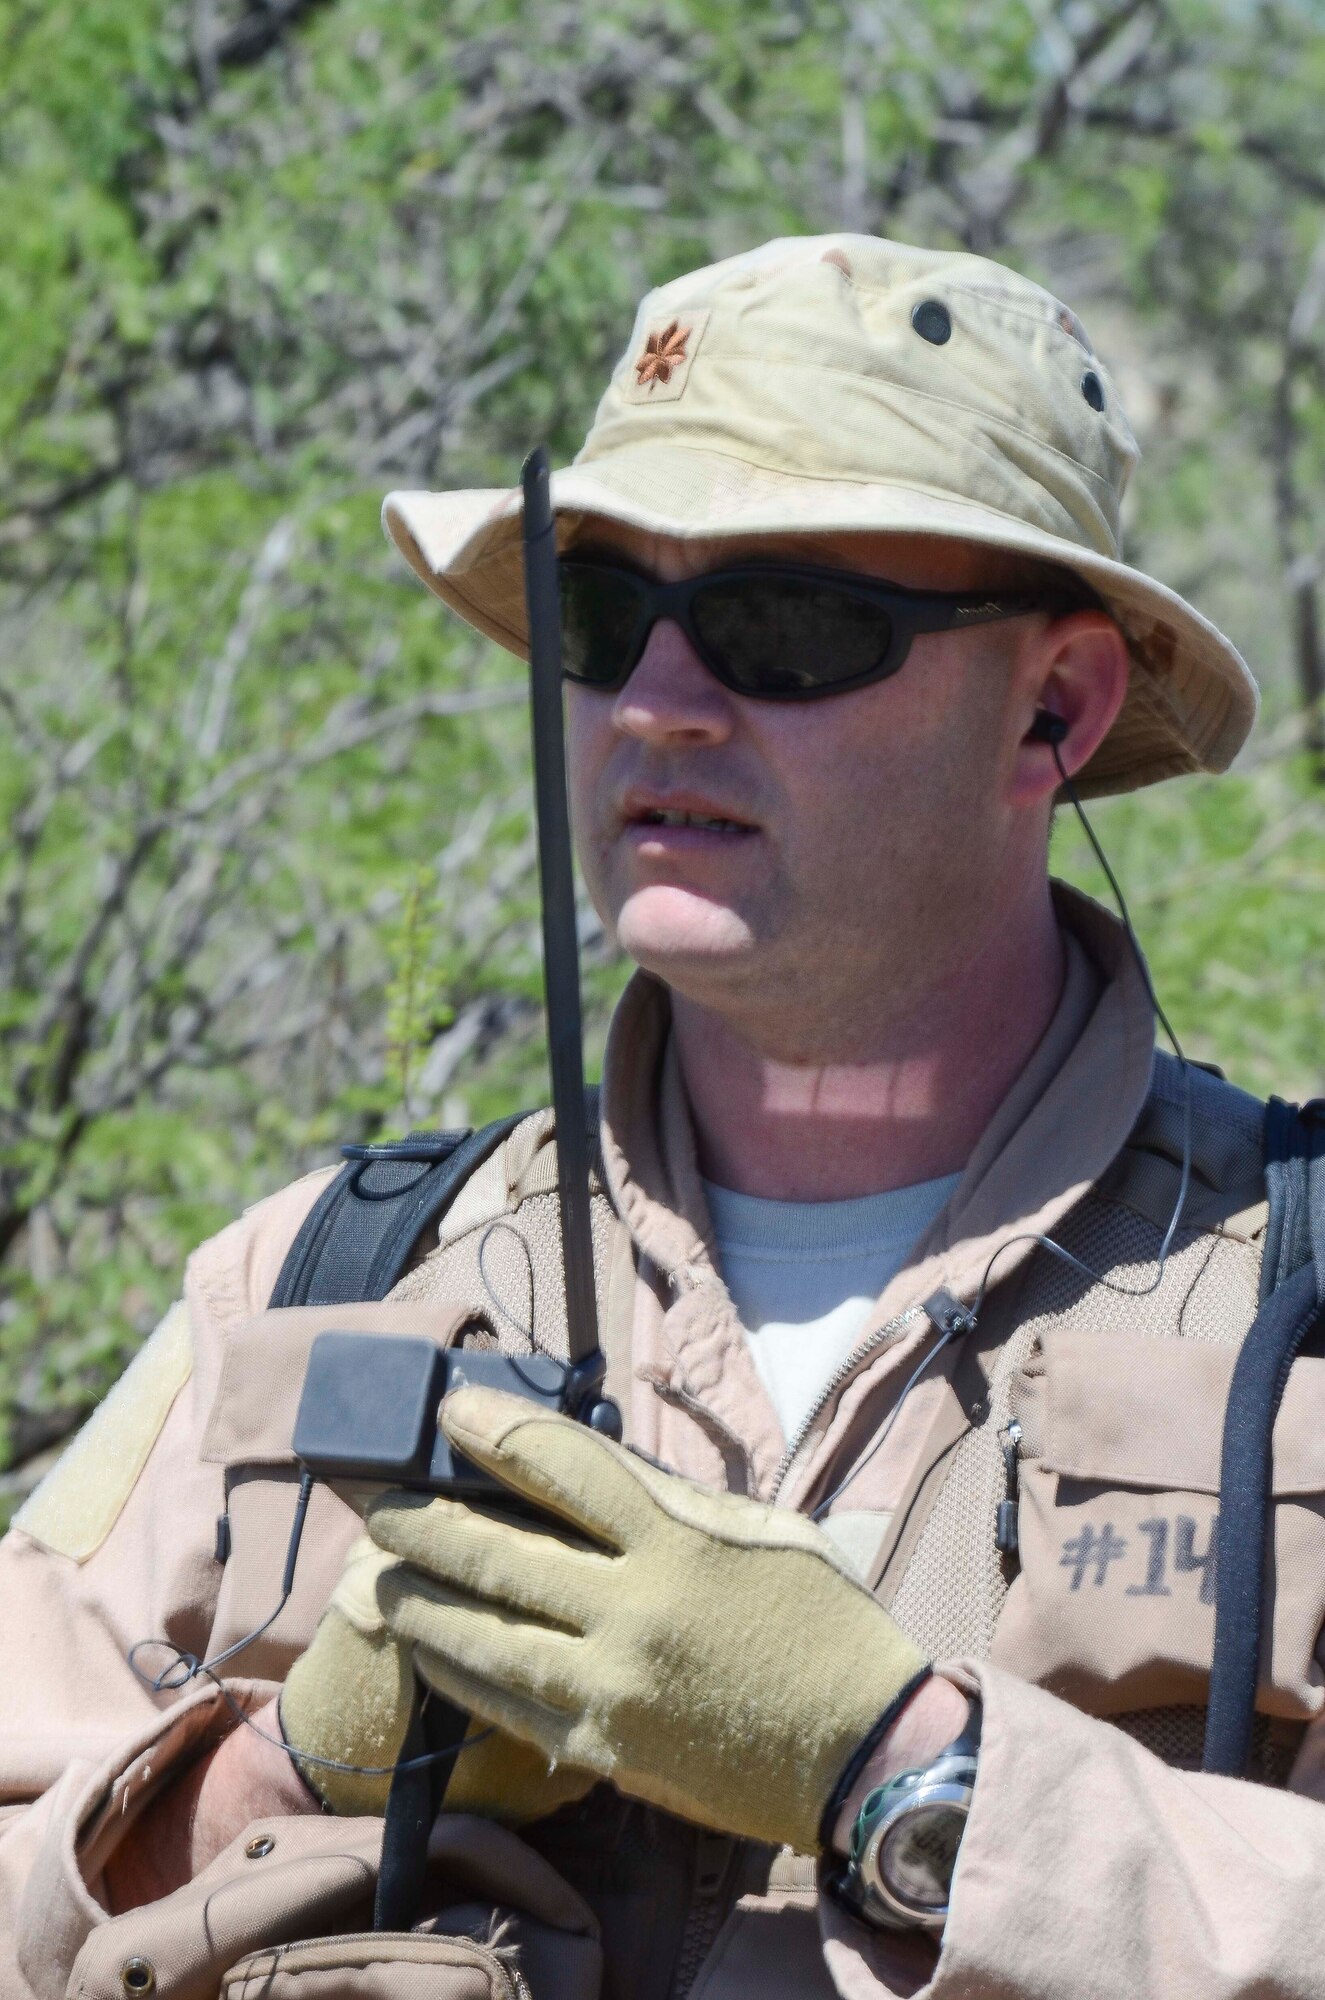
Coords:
pixel 662 353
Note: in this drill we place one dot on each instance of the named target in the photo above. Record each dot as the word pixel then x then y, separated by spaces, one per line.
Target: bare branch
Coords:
pixel 271 561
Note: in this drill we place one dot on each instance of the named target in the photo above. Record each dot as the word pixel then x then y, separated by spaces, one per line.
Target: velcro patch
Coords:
pixel 84 1493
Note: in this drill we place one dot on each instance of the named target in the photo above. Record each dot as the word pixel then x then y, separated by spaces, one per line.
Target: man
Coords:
pixel 889 1168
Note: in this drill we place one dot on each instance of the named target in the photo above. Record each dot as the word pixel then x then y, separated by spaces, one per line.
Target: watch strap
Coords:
pixel 861 1755
pixel 856 1893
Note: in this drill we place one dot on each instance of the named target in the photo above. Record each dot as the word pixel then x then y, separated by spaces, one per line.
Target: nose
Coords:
pixel 671 697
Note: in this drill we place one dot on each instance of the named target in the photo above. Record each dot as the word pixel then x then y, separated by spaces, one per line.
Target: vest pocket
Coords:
pixel 370 1965
pixel 1113 1606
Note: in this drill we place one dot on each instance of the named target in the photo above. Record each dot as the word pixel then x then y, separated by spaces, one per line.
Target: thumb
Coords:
pixel 356 1593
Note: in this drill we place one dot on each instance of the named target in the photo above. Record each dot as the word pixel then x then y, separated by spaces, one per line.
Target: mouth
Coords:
pixel 704 822
pixel 681 819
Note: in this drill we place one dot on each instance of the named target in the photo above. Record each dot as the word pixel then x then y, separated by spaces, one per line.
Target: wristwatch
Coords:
pixel 904 1844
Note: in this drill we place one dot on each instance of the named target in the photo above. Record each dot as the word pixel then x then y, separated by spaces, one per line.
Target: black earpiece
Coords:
pixel 1047 727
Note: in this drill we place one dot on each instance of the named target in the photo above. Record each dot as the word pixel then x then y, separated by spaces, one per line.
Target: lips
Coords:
pixel 709 822
pixel 641 811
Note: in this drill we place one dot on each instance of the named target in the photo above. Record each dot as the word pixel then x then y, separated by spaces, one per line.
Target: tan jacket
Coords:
pixel 1094 1865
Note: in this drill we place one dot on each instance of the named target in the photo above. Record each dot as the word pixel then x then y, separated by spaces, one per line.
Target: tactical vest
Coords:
pixel 955 1579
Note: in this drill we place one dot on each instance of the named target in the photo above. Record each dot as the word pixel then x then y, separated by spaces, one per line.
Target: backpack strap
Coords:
pixel 1295 1187
pixel 356 1239
pixel 1292 1291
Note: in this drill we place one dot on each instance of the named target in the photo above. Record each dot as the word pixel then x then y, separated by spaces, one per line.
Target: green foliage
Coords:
pixel 1225 880
pixel 268 882
pixel 417 1009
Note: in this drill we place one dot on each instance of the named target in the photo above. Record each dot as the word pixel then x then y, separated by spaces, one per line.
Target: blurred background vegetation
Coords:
pixel 267 882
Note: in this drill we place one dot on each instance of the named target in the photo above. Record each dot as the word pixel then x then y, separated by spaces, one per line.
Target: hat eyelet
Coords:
pixel 932 321
pixel 1092 389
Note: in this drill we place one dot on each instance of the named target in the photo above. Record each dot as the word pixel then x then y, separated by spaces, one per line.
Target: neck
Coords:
pixel 904 1102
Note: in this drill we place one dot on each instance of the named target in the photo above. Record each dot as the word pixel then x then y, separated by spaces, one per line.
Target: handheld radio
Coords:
pixel 369 1408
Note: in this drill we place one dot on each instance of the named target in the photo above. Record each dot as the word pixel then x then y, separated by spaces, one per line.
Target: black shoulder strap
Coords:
pixel 1292 1291
pixel 357 1238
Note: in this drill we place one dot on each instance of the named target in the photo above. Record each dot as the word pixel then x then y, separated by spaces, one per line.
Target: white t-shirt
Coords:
pixel 805 1275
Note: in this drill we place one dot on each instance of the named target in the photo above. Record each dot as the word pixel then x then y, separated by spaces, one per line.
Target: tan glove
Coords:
pixel 708 1654
pixel 349 1698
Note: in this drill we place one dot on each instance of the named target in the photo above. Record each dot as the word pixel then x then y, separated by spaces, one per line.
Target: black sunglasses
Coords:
pixel 770 631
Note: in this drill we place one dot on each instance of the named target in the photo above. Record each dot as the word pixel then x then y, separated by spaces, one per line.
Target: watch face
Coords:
pixel 918 1854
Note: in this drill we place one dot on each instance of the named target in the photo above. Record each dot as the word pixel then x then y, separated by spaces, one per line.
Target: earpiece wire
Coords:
pixel 185 1667
pixel 1184 1064
pixel 291 1750
pixel 967 1323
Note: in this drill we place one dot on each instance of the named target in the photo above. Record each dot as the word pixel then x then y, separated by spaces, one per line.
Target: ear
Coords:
pixel 1077 669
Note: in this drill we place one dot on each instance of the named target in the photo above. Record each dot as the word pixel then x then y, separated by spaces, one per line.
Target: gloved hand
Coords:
pixel 708 1654
pixel 349 1697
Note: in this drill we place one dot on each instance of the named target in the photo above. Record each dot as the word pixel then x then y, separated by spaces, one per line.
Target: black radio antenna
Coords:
pixel 561 952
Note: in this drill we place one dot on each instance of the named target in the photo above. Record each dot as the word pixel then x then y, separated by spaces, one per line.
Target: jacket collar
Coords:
pixel 1062 1123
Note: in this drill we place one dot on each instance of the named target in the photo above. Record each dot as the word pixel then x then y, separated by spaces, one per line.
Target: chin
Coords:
pixel 670 930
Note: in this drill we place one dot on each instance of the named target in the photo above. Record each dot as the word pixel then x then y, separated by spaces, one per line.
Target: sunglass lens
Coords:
pixel 789 635
pixel 600 617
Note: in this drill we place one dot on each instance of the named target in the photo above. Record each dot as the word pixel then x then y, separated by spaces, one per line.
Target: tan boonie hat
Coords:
pixel 825 384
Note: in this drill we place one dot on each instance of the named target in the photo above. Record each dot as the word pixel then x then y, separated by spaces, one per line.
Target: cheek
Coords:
pixel 832 765
pixel 886 783
pixel 589 741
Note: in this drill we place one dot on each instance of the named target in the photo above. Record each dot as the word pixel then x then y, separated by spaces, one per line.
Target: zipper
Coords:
pixel 879 1338
pixel 1005 1531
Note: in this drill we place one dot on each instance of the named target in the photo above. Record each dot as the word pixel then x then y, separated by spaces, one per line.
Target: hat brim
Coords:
pixel 1191 700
